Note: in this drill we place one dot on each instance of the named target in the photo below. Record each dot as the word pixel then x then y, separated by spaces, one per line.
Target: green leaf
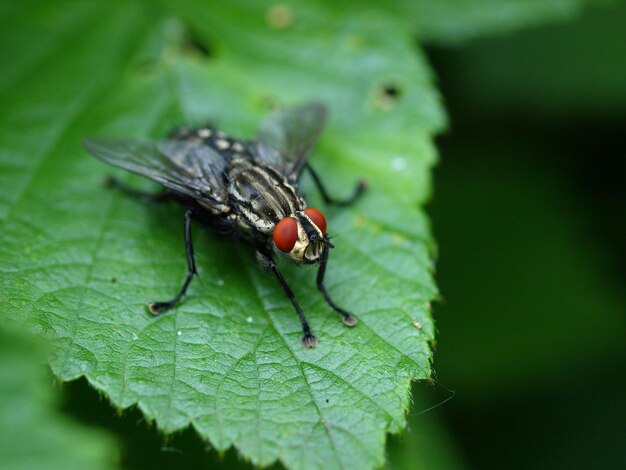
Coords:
pixel 453 21
pixel 32 433
pixel 79 261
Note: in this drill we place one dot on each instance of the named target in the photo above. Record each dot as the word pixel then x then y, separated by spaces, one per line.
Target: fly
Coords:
pixel 248 190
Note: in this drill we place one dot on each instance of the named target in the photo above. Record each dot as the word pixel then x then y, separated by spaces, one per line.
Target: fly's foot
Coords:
pixel 159 307
pixel 349 320
pixel 346 317
pixel 309 341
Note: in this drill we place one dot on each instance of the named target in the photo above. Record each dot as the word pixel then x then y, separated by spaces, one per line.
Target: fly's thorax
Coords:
pixel 261 195
pixel 300 236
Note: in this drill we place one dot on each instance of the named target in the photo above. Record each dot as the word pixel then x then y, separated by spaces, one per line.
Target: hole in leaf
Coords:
pixel 392 91
pixel 387 95
pixel 195 45
pixel 175 40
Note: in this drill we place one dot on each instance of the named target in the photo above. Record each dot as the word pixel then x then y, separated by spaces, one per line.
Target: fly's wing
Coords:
pixel 189 168
pixel 286 138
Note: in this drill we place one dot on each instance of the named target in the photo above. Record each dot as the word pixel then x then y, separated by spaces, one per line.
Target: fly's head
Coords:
pixel 302 236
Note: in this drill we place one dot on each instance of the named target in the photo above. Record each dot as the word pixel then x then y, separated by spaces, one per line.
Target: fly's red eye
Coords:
pixel 317 218
pixel 285 234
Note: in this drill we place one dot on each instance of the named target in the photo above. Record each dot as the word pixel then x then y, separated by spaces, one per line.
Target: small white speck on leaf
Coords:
pixel 220 282
pixel 417 324
pixel 398 164
pixel 249 319
pixel 179 333
pixel 135 337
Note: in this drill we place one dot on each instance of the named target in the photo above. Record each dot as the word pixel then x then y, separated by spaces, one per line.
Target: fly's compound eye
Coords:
pixel 285 234
pixel 317 218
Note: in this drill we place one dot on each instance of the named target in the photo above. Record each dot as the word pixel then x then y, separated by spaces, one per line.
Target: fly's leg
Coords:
pixel 347 318
pixel 144 195
pixel 356 194
pixel 265 259
pixel 158 307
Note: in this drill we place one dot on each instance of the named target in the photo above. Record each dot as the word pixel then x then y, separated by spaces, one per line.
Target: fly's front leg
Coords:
pixel 146 196
pixel 158 307
pixel 356 194
pixel 347 318
pixel 265 259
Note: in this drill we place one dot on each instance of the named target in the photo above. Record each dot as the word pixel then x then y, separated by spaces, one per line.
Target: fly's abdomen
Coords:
pixel 261 195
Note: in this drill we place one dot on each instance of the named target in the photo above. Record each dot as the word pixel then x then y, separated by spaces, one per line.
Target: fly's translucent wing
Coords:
pixel 189 168
pixel 286 138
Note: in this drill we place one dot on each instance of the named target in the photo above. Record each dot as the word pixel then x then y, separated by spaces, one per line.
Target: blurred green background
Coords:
pixel 529 213
pixel 530 217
